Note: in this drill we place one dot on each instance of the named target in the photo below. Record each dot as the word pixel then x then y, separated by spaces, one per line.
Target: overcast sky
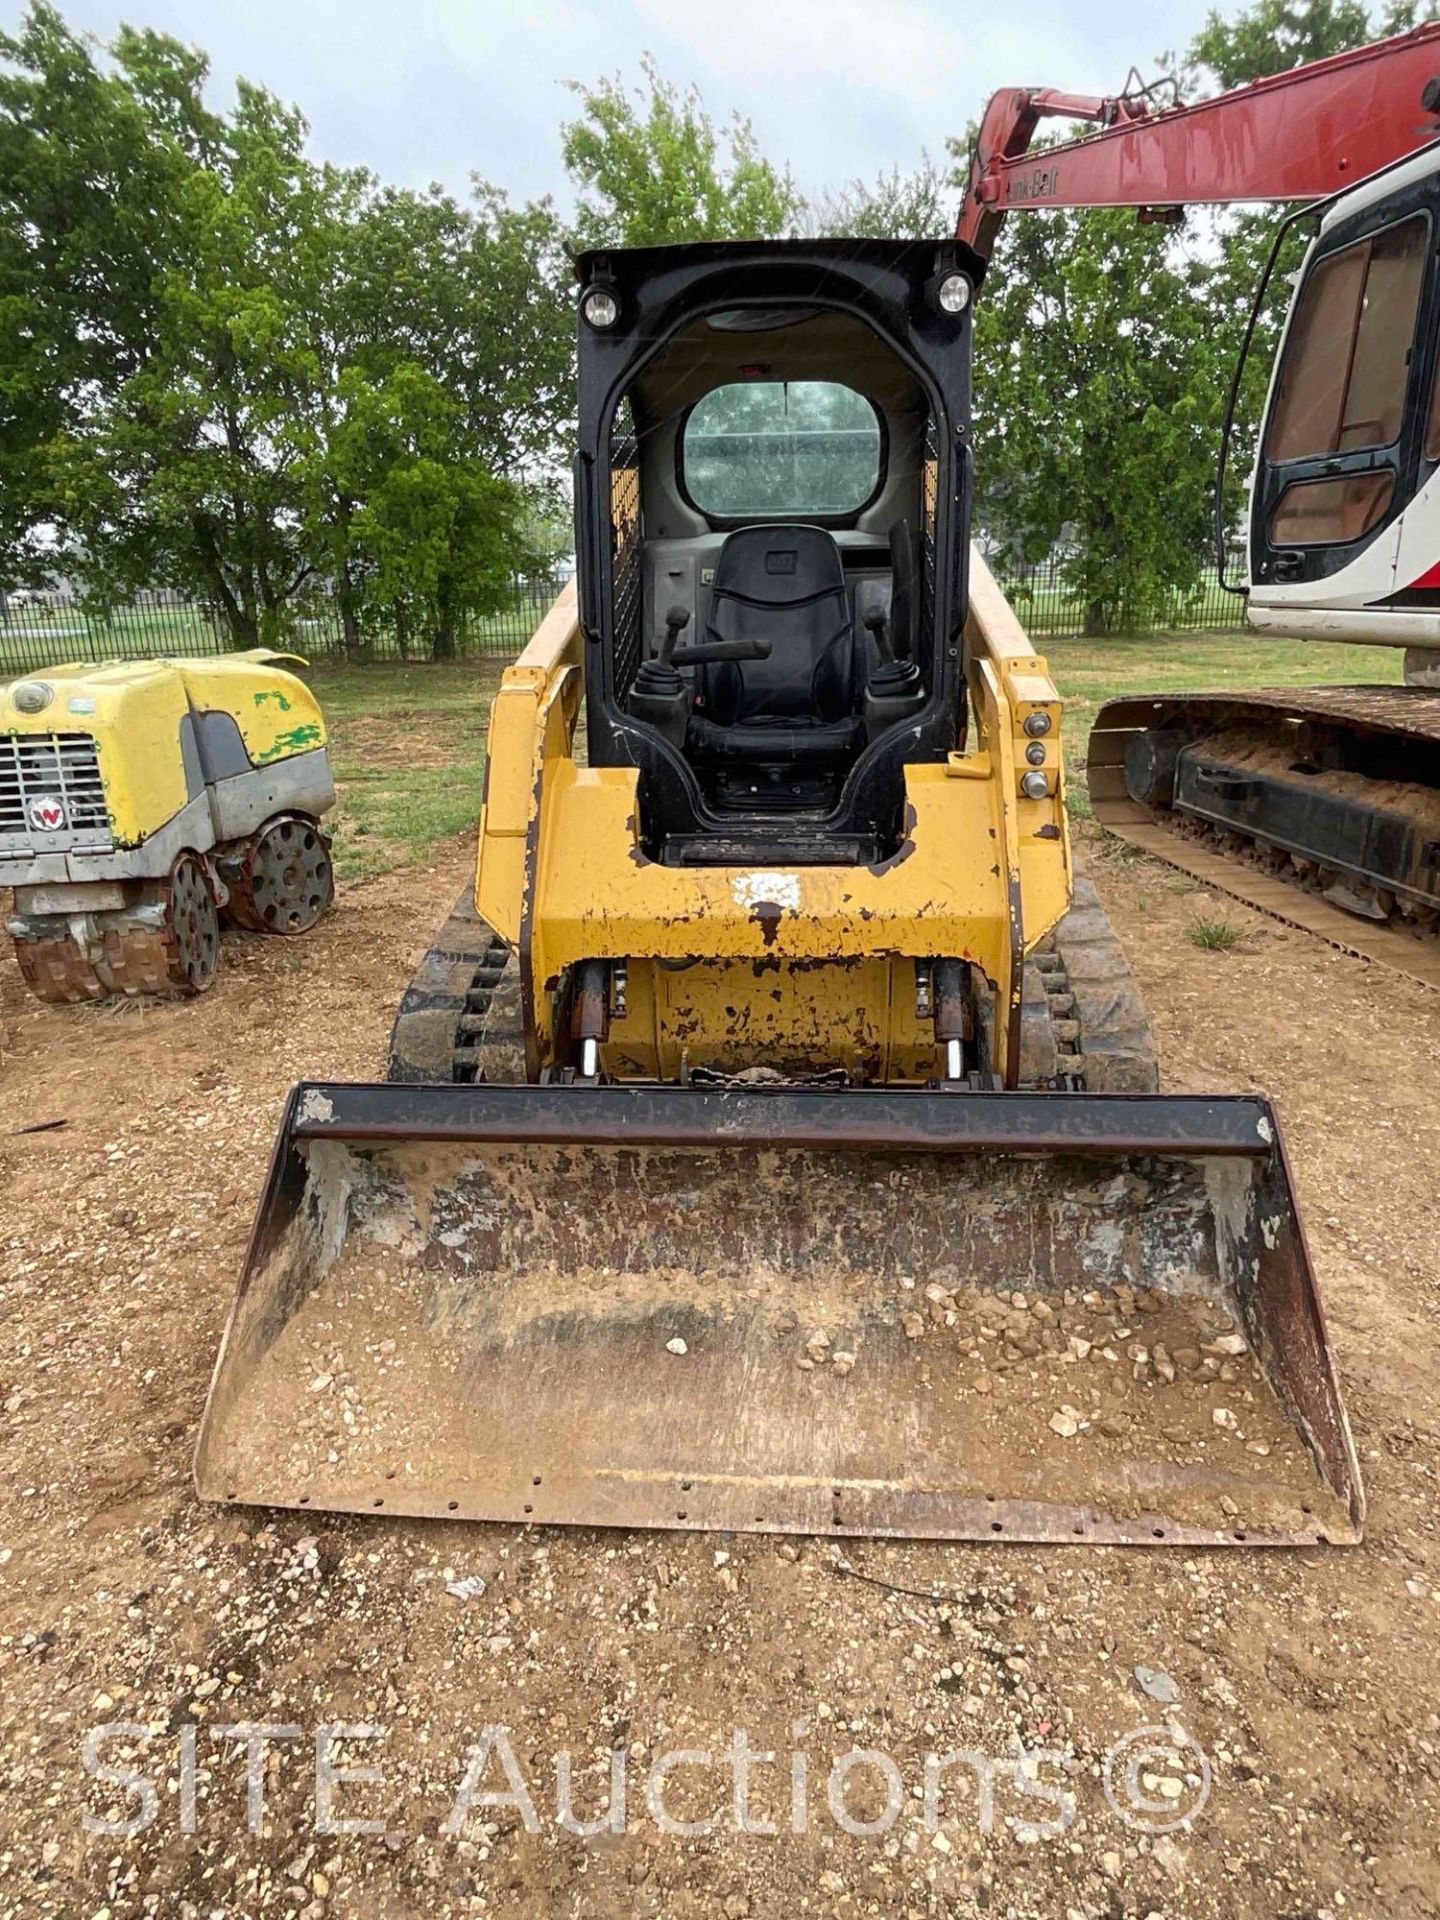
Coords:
pixel 425 90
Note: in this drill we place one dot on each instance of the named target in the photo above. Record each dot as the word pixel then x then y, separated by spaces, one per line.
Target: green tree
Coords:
pixel 200 328
pixel 1092 431
pixel 651 168
pixel 87 219
pixel 436 537
pixel 918 205
pixel 180 473
pixel 443 340
pixel 481 294
pixel 1274 35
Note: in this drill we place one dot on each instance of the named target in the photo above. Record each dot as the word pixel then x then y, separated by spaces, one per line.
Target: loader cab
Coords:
pixel 772 511
pixel 1351 439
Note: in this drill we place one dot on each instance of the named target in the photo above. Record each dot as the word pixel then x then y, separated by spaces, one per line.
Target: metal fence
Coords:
pixel 43 629
pixel 1046 603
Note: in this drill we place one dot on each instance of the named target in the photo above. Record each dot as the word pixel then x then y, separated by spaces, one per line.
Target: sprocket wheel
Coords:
pixel 192 927
pixel 286 882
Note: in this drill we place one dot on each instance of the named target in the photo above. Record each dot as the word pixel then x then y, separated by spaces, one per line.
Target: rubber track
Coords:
pixel 459 1018
pixel 1095 1015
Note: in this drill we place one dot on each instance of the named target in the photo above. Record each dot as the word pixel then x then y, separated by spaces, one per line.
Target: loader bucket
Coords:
pixel 1042 1317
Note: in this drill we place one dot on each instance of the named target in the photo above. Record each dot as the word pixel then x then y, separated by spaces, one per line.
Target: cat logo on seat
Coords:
pixel 47 814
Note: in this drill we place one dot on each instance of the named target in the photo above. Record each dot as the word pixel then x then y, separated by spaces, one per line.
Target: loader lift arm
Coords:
pixel 1299 135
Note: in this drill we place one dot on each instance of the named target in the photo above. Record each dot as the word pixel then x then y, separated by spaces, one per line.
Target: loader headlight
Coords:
pixel 1037 724
pixel 953 293
pixel 600 308
pixel 1034 786
pixel 31 696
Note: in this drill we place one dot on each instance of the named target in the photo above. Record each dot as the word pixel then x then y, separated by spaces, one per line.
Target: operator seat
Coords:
pixel 802 704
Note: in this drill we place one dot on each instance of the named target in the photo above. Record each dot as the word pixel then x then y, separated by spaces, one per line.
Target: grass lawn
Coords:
pixel 408 742
pixel 408 746
pixel 1089 672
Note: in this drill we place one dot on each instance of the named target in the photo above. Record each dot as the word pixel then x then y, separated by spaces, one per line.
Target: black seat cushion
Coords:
pixel 785 585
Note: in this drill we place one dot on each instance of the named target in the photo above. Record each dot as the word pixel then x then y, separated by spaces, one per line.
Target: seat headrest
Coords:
pixel 779 566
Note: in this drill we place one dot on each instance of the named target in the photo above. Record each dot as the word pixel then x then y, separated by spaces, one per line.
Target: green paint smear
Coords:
pixel 294 741
pixel 272 693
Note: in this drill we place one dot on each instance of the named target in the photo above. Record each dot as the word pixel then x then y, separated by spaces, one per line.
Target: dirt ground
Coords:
pixel 1309 1680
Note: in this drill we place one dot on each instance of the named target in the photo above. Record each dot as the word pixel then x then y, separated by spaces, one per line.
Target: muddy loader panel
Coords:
pixel 1019 1316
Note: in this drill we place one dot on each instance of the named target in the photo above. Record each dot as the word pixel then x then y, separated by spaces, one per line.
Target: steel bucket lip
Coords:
pixel 882 1119
pixel 894 1122
pixel 843 1511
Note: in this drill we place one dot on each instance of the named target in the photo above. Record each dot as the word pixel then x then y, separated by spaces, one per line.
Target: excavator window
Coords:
pixel 1346 361
pixel 1312 513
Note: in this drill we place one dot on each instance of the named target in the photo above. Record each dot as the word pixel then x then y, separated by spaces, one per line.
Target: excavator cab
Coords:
pixel 772 512
pixel 1319 804
pixel 1346 498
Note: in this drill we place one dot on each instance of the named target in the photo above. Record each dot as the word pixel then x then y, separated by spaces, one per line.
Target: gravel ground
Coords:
pixel 1308 1681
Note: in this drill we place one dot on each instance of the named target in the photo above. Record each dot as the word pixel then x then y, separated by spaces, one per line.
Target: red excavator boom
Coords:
pixel 1299 135
pixel 1313 787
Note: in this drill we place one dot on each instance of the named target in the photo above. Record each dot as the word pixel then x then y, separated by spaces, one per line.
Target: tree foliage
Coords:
pixel 235 371
pixel 896 205
pixel 651 168
pixel 1273 35
pixel 231 369
pixel 1092 431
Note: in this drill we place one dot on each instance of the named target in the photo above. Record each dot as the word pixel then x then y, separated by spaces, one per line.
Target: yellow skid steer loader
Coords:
pixel 773 1142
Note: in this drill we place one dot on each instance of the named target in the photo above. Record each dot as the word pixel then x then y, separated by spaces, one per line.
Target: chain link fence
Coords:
pixel 40 629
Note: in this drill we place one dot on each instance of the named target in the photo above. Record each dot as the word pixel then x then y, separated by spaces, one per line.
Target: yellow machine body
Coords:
pixel 134 711
pixel 803 968
pixel 141 799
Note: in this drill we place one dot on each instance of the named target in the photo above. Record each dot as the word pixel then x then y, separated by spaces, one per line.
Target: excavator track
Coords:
pixel 1332 888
